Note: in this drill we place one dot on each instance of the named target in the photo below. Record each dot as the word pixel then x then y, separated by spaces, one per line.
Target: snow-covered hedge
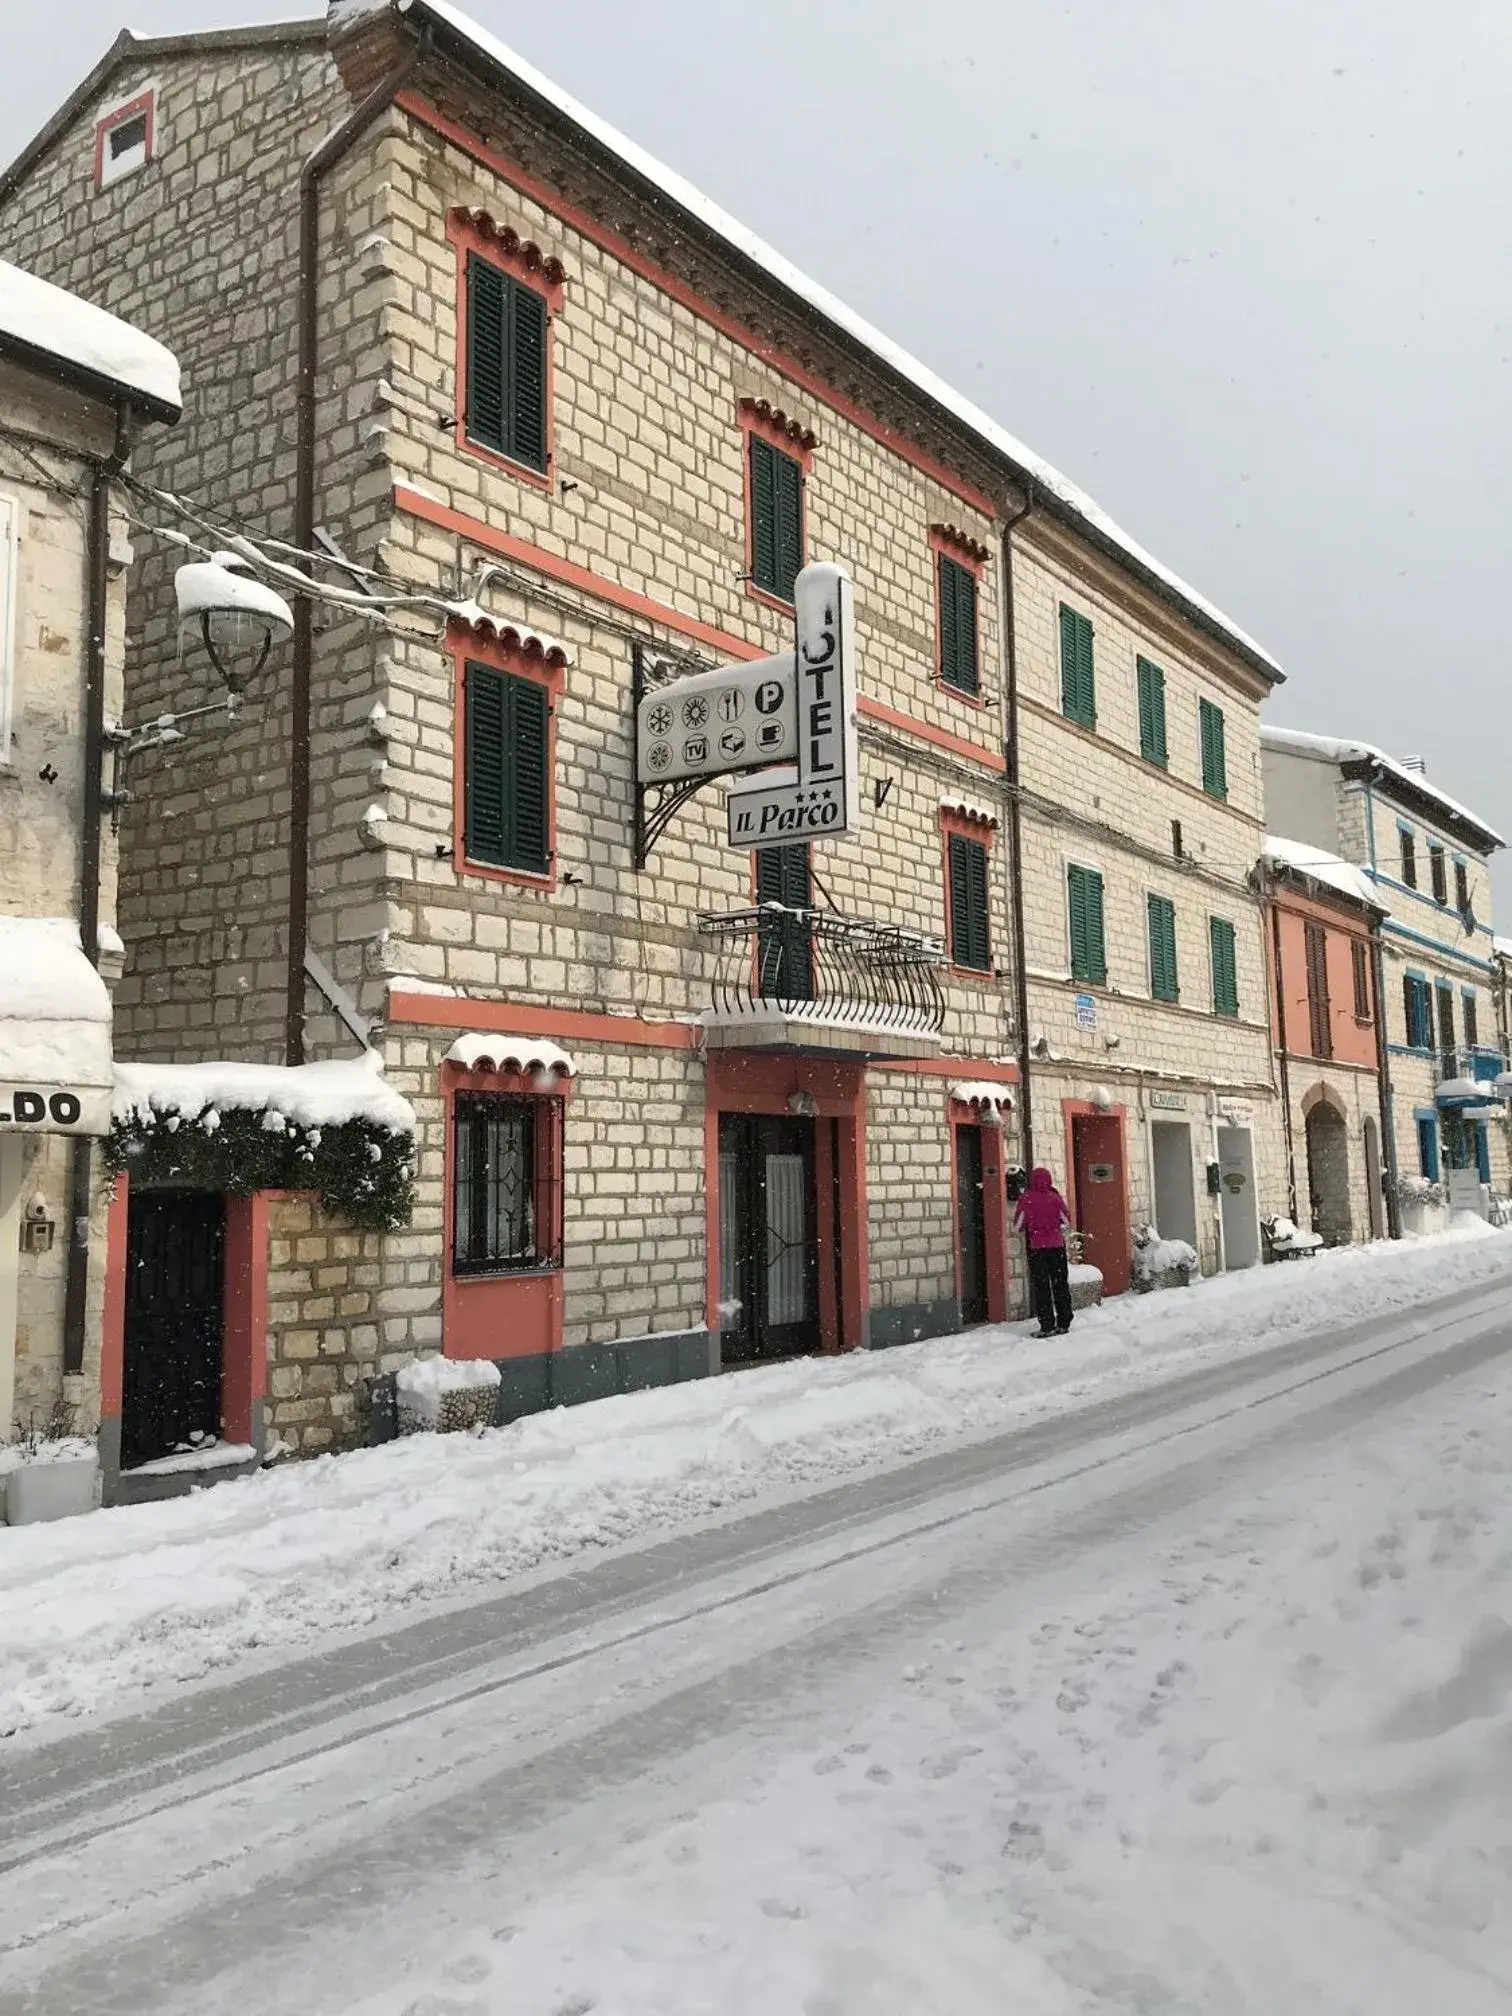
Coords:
pixel 334 1128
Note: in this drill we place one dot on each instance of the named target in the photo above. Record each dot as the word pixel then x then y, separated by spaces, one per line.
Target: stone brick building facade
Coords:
pixel 1426 856
pixel 73 396
pixel 574 422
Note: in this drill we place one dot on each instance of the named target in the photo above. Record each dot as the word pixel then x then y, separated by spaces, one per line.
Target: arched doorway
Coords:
pixel 1328 1171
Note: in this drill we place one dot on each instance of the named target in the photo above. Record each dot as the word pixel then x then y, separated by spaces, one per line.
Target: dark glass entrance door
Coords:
pixel 769 1276
pixel 971 1224
pixel 171 1377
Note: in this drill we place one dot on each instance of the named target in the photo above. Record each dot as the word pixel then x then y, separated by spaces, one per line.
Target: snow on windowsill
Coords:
pixel 532 1055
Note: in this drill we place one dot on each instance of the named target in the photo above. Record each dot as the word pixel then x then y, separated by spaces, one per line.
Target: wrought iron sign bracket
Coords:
pixel 655 806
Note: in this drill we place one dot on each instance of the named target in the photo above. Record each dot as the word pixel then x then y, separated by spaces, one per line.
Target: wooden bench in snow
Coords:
pixel 1284 1241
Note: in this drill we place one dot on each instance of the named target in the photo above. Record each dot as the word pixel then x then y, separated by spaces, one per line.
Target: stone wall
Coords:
pixel 41 812
pixel 324 1338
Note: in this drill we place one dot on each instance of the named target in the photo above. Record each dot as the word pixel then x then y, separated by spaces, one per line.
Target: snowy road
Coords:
pixel 1194 1700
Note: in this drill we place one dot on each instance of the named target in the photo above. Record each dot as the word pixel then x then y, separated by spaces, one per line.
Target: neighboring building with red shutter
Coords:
pixel 1325 965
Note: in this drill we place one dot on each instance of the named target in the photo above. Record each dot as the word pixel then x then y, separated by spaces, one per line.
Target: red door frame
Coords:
pixel 994 1208
pixel 244 1309
pixel 1118 1274
pixel 742 1081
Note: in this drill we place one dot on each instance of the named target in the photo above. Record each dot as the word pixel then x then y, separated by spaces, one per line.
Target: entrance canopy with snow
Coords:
pixel 53 331
pixel 55 1062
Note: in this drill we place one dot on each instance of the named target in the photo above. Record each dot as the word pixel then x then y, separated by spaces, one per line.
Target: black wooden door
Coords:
pixel 769 1289
pixel 971 1224
pixel 171 1395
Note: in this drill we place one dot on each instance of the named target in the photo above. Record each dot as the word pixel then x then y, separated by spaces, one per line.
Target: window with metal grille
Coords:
pixel 507 781
pixel 1438 873
pixel 1078 677
pixel 1409 856
pixel 958 626
pixel 1214 755
pixel 1150 682
pixel 507 328
pixel 1225 966
pixel 970 937
pixel 1164 980
pixel 1319 1013
pixel 1084 906
pixel 1360 954
pixel 505 1183
pixel 776 518
pixel 1461 886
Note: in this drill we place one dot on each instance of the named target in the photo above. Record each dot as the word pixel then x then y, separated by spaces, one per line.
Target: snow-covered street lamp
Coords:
pixel 238 617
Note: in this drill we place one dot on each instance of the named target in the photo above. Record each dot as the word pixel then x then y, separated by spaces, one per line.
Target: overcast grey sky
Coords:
pixel 1241 270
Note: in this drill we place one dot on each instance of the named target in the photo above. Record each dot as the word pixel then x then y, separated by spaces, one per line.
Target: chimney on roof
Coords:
pixel 1415 763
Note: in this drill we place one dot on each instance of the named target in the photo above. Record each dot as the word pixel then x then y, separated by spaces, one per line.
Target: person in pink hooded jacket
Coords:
pixel 1042 1217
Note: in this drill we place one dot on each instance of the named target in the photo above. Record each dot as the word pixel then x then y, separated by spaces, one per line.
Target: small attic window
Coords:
pixel 124 139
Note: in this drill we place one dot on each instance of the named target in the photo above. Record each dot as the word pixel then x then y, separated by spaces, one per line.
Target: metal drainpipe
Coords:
pixel 103 473
pixel 1286 1111
pixel 334 145
pixel 1386 1090
pixel 1016 835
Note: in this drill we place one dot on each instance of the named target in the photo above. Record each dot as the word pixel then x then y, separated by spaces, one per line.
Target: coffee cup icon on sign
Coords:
pixel 769 736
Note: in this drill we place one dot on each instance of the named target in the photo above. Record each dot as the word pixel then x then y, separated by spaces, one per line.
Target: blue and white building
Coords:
pixel 1442 981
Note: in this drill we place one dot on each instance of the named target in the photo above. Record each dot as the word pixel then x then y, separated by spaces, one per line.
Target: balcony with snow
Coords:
pixel 797 978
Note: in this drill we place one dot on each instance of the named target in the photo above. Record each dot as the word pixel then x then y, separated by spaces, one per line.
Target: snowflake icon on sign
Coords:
pixel 658 756
pixel 695 713
pixel 659 720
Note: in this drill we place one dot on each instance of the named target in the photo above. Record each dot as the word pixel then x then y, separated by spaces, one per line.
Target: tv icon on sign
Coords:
pixel 769 735
pixel 696 749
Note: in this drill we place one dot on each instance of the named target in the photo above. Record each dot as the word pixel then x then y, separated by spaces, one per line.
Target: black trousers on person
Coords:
pixel 1051 1287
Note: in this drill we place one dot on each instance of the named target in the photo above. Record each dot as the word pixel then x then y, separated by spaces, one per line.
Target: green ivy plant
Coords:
pixel 362 1171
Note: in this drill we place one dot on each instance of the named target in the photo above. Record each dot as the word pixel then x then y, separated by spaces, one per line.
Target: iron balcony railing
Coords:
pixel 825 969
pixel 1477 1066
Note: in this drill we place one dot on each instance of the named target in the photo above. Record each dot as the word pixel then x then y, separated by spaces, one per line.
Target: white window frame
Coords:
pixel 141 104
pixel 10 545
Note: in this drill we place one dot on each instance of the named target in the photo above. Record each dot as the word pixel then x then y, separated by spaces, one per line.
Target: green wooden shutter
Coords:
pixel 788 494
pixel 530 834
pixel 1152 712
pixel 1163 975
pixel 1078 681
pixel 763 514
pixel 970 939
pixel 1225 966
pixel 487 336
pixel 1084 898
pixel 958 626
pixel 483 785
pixel 505 790
pixel 527 376
pixel 1214 758
pixel 786 943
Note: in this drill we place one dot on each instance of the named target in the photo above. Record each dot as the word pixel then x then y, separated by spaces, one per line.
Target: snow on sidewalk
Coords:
pixel 97 1609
